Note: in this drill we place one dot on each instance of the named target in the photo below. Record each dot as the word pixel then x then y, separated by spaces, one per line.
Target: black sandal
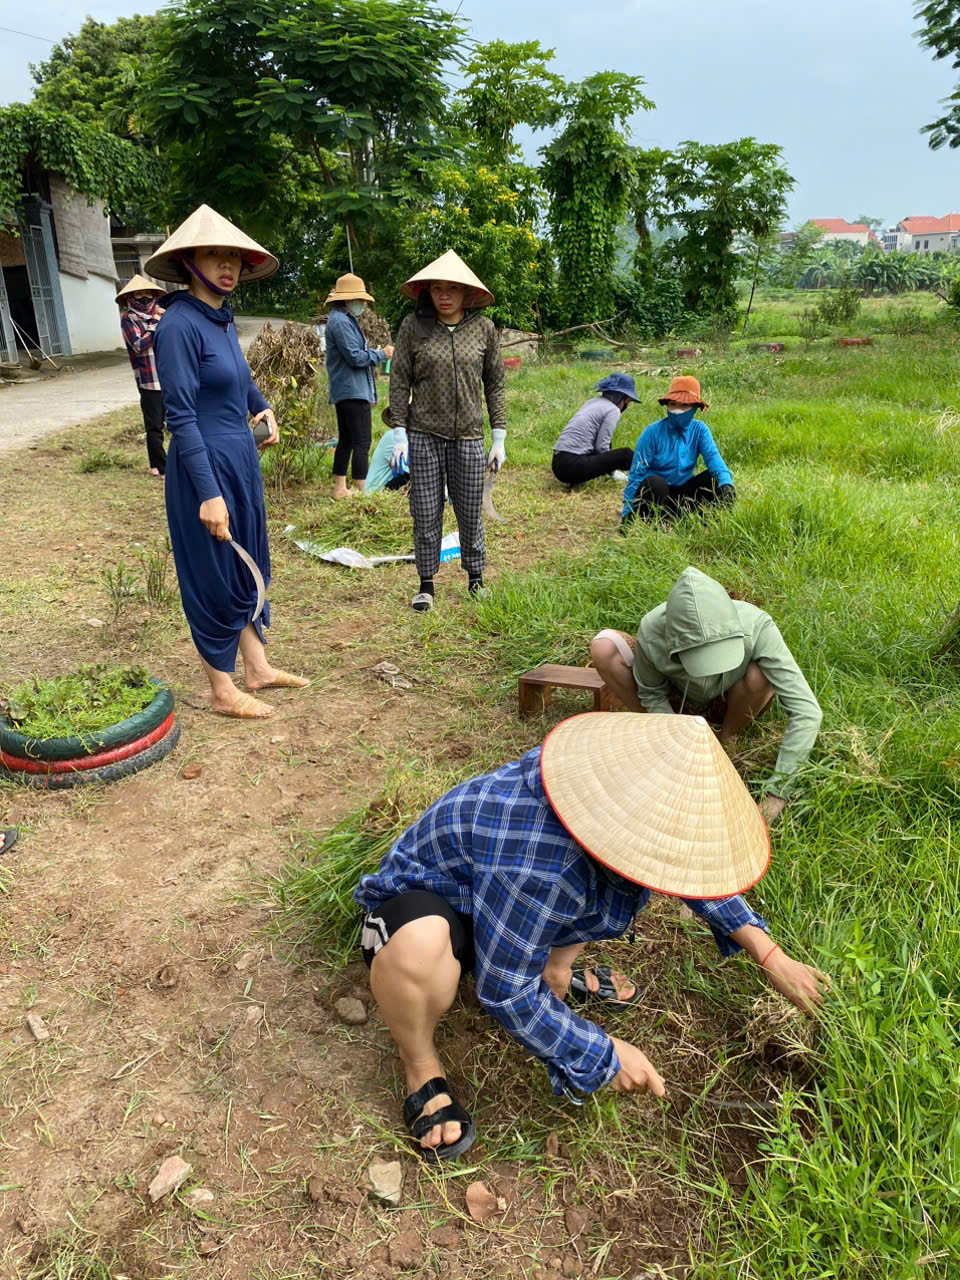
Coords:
pixel 606 993
pixel 8 839
pixel 419 1125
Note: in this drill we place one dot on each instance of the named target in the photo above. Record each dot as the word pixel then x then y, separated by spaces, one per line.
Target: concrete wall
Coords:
pixel 931 241
pixel 93 318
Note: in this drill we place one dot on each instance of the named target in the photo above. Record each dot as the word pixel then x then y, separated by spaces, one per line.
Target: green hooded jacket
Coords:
pixel 698 611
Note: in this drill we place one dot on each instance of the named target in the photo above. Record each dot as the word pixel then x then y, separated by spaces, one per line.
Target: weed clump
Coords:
pixel 86 701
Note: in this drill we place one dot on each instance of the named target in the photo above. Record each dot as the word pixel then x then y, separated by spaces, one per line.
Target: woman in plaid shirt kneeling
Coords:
pixel 512 873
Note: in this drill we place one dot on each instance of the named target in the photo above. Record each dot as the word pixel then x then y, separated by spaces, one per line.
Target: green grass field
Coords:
pixel 847 467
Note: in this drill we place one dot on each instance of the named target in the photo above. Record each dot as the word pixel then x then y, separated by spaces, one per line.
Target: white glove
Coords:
pixel 400 447
pixel 498 454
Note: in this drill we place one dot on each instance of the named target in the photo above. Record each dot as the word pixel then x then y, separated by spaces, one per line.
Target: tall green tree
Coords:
pixel 506 85
pixel 590 170
pixel 353 89
pixel 94 73
pixel 940 32
pixel 713 192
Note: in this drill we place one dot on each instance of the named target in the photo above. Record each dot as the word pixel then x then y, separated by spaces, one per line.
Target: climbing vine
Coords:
pixel 590 170
pixel 95 163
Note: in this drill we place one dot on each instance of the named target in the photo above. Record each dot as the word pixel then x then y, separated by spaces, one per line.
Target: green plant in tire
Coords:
pixel 86 701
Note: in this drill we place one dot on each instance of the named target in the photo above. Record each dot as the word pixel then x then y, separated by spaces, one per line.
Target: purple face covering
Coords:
pixel 207 284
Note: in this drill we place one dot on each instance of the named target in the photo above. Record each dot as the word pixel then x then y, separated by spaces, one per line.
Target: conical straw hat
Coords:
pixel 656 799
pixel 140 284
pixel 207 229
pixel 450 266
pixel 348 288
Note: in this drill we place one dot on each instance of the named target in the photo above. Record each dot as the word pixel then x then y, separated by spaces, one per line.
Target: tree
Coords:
pixel 940 32
pixel 508 84
pixel 94 162
pixel 352 89
pixel 590 171
pixel 873 223
pixel 93 75
pixel 713 192
pixel 474 212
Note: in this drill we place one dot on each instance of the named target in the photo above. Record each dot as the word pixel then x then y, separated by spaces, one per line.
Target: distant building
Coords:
pixel 57 276
pixel 839 230
pixel 924 234
pixel 130 253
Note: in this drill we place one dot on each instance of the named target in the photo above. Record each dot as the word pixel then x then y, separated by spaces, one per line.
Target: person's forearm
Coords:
pixel 754 941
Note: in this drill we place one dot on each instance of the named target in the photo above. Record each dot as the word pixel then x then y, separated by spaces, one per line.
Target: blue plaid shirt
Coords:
pixel 494 849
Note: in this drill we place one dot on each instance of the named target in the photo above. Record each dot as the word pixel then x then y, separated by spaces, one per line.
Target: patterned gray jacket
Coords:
pixel 449 374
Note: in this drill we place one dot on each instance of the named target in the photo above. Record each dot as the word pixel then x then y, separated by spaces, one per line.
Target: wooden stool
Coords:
pixel 535 689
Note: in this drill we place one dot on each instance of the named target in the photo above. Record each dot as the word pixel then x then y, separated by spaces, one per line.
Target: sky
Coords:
pixel 843 86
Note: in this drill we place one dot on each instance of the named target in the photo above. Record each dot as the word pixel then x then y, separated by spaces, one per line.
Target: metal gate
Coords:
pixel 8 341
pixel 44 278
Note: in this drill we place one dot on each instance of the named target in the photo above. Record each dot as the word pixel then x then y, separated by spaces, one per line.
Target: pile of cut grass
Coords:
pixel 86 701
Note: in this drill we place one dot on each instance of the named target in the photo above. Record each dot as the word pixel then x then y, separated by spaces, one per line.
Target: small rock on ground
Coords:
pixel 315 1189
pixel 168 1177
pixel 385 1178
pixel 38 1028
pixel 197 1196
pixel 350 1011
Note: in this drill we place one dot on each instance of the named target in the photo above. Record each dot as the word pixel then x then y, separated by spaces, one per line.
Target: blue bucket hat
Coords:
pixel 620 384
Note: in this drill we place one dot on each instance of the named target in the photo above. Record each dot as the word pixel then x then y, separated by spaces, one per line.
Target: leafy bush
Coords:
pixel 104 460
pixel 840 307
pixel 655 306
pixel 88 700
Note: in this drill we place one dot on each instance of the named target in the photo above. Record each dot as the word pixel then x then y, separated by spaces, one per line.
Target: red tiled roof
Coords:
pixel 840 225
pixel 925 226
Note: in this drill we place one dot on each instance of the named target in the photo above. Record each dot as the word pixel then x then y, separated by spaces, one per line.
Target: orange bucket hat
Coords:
pixel 684 390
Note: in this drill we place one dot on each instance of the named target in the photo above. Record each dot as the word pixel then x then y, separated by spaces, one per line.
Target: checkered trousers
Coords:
pixel 461 464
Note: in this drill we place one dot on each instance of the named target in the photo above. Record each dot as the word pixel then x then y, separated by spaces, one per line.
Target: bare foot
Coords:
pixel 241 706
pixel 343 493
pixel 273 679
pixel 439 1135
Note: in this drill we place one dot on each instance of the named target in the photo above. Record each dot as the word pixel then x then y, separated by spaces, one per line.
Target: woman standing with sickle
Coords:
pixel 213 486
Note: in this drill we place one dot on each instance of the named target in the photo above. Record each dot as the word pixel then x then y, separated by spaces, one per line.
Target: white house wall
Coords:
pixel 93 318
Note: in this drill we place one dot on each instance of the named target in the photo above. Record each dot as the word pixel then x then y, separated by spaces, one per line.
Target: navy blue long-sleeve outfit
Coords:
pixel 208 391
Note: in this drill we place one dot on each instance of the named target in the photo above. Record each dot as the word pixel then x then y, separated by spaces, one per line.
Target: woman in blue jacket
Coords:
pixel 350 366
pixel 665 459
pixel 213 489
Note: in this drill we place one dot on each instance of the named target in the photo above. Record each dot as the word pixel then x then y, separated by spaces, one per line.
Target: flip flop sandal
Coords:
pixel 422 601
pixel 420 1125
pixel 240 710
pixel 284 680
pixel 606 993
pixel 8 839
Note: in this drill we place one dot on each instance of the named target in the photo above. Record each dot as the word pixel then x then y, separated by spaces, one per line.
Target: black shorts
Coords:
pixel 382 923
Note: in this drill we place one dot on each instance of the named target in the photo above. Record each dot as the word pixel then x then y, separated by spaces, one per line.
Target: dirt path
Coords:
pixel 40 406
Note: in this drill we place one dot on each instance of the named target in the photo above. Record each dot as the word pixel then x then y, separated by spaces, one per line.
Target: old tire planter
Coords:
pixel 89 744
pixel 122 768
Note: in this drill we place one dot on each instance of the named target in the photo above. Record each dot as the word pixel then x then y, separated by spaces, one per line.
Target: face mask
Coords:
pixel 356 308
pixel 680 417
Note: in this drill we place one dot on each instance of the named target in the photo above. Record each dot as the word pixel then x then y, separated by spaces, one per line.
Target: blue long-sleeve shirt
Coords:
pixel 494 849
pixel 666 450
pixel 350 362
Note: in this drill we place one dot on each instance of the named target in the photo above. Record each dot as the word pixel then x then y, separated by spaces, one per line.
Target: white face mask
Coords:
pixel 356 308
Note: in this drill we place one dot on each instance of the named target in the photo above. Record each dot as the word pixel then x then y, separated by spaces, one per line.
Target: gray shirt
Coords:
pixel 590 430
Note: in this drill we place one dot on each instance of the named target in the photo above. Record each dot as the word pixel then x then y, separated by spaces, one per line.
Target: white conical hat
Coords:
pixel 207 229
pixel 656 799
pixel 140 284
pixel 450 266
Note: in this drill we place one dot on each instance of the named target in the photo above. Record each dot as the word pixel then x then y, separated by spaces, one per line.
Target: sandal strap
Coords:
pixel 453 1112
pixel 415 1102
